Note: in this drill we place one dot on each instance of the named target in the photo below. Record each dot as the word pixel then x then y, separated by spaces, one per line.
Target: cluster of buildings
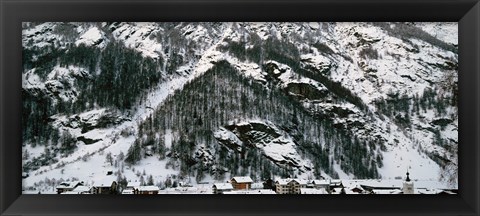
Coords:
pixel 245 185
pixel 104 186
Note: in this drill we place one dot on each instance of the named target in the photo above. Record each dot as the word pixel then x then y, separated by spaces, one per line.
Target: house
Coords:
pixel 320 183
pixel 148 190
pixel 68 186
pixel 133 187
pixel 290 186
pixel 105 186
pixel 241 182
pixel 296 185
pixel 282 187
pixel 220 188
pixel 82 190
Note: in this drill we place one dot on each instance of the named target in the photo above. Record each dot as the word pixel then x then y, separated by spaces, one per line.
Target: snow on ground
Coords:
pixel 92 37
pixel 398 183
pixel 74 165
pixel 40 36
pixel 59 82
pixel 30 80
pixel 137 36
pixel 394 68
pixel 397 159
pixel 401 156
pixel 447 32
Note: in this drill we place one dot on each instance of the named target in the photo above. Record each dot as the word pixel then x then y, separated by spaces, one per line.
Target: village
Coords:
pixel 245 185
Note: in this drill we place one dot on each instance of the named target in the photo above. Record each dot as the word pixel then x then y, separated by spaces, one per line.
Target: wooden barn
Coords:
pixel 241 182
pixel 220 188
pixel 147 190
pixel 105 186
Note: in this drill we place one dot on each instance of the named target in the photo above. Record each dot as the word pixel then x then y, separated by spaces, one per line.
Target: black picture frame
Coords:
pixel 13 12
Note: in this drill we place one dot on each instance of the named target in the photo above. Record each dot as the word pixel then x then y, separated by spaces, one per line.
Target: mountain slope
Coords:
pixel 349 100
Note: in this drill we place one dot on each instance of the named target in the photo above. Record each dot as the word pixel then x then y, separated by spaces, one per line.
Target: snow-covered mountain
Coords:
pixel 212 100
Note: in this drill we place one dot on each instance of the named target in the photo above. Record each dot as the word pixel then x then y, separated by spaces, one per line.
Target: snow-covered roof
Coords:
pixel 320 182
pixel 223 186
pixel 82 189
pixel 71 192
pixel 335 181
pixel 301 181
pixel 105 182
pixel 313 191
pixel 148 188
pixel 69 185
pixel 133 184
pixel 262 191
pixel 428 191
pixel 127 191
pixel 242 179
pixel 283 181
pixel 394 191
pixel 257 185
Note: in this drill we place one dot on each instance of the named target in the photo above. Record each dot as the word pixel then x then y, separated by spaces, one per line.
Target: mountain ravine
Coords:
pixel 202 102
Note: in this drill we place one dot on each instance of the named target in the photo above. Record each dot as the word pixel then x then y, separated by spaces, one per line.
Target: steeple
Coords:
pixel 408 185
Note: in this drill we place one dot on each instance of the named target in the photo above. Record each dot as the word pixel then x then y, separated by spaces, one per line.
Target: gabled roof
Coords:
pixel 105 182
pixel 313 191
pixel 283 181
pixel 133 184
pixel 301 181
pixel 148 188
pixel 82 189
pixel 320 182
pixel 223 186
pixel 127 191
pixel 69 185
pixel 242 179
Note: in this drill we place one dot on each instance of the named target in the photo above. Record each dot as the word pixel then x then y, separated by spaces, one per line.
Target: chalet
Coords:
pixel 220 188
pixel 148 190
pixel 68 186
pixel 241 182
pixel 105 186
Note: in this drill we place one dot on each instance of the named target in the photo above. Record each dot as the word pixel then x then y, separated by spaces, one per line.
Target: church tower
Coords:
pixel 408 185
